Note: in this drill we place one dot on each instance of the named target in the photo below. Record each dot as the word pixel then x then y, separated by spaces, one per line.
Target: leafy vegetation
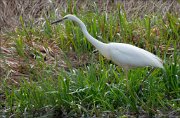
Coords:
pixel 54 71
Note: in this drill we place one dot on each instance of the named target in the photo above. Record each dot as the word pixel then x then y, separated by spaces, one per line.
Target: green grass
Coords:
pixel 98 87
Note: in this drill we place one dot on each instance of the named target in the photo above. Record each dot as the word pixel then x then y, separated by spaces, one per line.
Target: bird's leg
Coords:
pixel 126 77
pixel 142 83
pixel 127 80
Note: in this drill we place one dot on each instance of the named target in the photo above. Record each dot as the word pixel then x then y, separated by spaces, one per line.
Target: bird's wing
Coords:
pixel 131 56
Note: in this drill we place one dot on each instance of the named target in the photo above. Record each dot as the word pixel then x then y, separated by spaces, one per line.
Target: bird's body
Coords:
pixel 124 55
pixel 128 56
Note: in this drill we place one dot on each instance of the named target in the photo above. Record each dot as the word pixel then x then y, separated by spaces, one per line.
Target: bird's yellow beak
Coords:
pixel 60 20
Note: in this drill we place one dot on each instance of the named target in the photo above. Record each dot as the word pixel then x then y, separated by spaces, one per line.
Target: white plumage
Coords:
pixel 124 55
pixel 127 55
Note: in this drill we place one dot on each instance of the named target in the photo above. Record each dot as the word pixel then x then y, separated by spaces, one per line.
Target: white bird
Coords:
pixel 124 55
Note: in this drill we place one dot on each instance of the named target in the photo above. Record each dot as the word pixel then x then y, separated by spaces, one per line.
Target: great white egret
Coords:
pixel 124 55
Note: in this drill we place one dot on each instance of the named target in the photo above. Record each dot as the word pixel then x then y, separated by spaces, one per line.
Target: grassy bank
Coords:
pixel 54 71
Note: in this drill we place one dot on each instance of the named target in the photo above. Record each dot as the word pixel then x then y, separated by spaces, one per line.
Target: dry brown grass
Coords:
pixel 11 10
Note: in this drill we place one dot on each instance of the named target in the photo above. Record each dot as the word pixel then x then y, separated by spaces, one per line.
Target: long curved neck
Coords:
pixel 99 45
pixel 102 47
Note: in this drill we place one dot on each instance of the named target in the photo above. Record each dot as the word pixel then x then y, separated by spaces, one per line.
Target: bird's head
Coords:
pixel 67 17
